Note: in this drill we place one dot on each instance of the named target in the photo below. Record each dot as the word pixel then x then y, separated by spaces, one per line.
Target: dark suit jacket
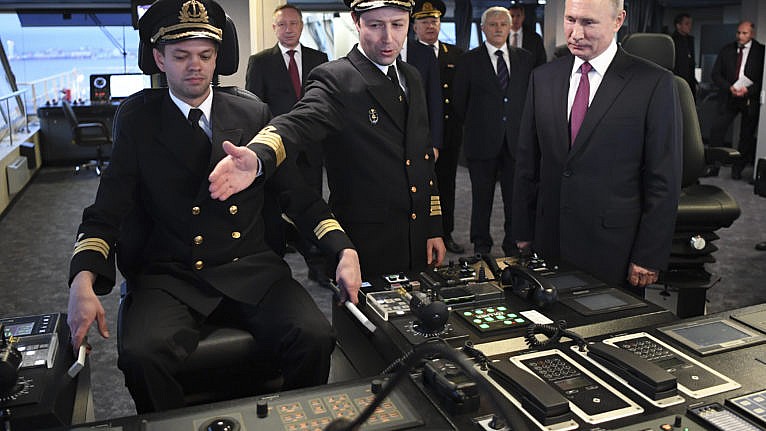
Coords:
pixel 424 61
pixel 154 209
pixel 380 166
pixel 449 57
pixel 268 79
pixel 533 43
pixel 490 116
pixel 685 63
pixel 725 73
pixel 612 198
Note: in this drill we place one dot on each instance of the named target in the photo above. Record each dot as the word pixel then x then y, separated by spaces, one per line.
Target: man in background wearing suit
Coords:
pixel 420 56
pixel 278 75
pixel 525 37
pixel 599 158
pixel 684 43
pixel 426 24
pixel 490 88
pixel 738 74
pixel 369 111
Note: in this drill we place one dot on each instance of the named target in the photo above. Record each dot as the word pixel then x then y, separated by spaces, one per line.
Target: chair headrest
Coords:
pixel 655 47
pixel 227 62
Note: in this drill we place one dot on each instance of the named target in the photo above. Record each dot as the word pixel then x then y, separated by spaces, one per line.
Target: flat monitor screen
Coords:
pixel 123 85
pixel 600 301
pixel 711 333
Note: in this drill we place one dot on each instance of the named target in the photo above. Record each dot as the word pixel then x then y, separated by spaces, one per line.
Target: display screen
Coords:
pixel 600 301
pixel 19 329
pixel 122 86
pixel 711 334
pixel 572 383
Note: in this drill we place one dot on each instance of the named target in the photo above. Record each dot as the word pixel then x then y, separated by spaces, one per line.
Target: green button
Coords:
pixel 479 311
pixel 489 319
pixel 512 315
pixel 467 313
pixel 490 310
pixel 477 320
pixel 508 322
pixel 520 320
pixel 500 316
pixel 483 326
pixel 501 308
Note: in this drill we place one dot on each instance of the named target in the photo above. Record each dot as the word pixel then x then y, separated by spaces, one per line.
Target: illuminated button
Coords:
pixel 484 326
pixel 519 320
pixel 413 216
pixel 413 189
pixel 489 319
pixel 236 235
pixel 195 210
pixel 479 311
pixel 427 157
pixel 490 310
pixel 467 313
pixel 501 308
pixel 233 209
pixel 198 239
pixel 198 265
pixel 507 322
pixel 407 162
pixel 477 321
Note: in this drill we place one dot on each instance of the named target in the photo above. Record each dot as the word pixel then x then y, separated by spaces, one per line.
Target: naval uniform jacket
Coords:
pixel 153 207
pixel 612 198
pixel 379 160
pixel 449 55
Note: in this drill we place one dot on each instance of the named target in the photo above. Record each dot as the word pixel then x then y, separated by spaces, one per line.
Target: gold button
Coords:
pixel 413 216
pixel 430 182
pixel 198 239
pixel 401 99
pixel 413 189
pixel 445 85
pixel 233 209
pixel 235 235
pixel 235 259
pixel 446 101
pixel 407 162
pixel 195 210
pixel 198 265
pixel 446 117
pixel 427 156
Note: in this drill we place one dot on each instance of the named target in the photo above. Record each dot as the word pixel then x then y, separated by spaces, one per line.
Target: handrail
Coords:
pixel 7 116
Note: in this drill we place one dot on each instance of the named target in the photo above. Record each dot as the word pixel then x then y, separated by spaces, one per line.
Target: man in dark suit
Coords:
pixel 278 76
pixel 369 110
pixel 426 24
pixel 599 158
pixel 489 92
pixel 422 59
pixel 684 43
pixel 524 36
pixel 738 74
pixel 187 256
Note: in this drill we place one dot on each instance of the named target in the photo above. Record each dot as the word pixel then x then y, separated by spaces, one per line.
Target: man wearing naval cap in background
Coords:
pixel 369 111
pixel 188 256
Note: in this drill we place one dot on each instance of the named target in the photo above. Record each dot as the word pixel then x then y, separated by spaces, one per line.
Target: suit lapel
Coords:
pixel 560 91
pixel 175 133
pixel 487 66
pixel 224 129
pixel 615 78
pixel 378 85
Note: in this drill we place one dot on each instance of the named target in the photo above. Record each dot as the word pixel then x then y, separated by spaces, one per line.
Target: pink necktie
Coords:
pixel 580 104
pixel 292 69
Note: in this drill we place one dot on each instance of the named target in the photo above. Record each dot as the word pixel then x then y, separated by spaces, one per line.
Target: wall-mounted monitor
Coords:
pixel 123 85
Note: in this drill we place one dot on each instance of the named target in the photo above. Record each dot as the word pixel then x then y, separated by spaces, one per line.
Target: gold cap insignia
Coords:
pixel 193 11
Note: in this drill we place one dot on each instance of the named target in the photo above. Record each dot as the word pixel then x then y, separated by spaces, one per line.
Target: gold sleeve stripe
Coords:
pixel 436 206
pixel 326 226
pixel 269 137
pixel 92 244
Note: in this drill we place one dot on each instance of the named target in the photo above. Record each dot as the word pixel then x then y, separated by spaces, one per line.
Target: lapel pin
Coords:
pixel 373 114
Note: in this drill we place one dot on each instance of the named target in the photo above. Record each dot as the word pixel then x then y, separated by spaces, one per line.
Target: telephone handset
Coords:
pixel 526 282
pixel 542 401
pixel 645 376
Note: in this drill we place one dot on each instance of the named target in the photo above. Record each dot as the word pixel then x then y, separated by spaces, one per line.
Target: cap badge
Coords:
pixel 193 11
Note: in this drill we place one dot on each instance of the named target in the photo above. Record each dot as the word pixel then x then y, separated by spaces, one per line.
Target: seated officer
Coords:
pixel 187 257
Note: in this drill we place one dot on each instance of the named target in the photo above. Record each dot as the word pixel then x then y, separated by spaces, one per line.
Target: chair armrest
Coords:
pixel 721 155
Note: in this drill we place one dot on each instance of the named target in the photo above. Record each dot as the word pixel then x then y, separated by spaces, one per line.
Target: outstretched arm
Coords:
pixel 233 173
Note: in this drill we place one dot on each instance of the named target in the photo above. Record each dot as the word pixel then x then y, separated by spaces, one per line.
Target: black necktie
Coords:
pixel 739 60
pixel 200 140
pixel 502 70
pixel 391 74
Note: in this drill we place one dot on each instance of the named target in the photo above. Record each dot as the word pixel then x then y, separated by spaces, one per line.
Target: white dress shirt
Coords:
pixel 599 66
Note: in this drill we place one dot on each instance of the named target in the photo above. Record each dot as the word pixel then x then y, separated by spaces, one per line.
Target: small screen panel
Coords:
pixel 123 85
pixel 600 301
pixel 713 335
pixel 19 330
pixel 567 281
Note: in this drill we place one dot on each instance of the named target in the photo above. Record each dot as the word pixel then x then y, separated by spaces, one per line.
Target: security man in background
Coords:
pixel 427 24
pixel 369 111
pixel 187 256
pixel 278 76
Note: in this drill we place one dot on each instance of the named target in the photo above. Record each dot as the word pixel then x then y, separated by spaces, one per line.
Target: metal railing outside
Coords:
pixel 13 118
pixel 50 88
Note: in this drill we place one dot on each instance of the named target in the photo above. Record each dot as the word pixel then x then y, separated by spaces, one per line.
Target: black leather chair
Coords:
pixel 224 365
pixel 92 134
pixel 702 208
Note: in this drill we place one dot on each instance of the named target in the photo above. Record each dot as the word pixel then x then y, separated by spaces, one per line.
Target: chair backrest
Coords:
pixel 227 61
pixel 660 49
pixel 69 114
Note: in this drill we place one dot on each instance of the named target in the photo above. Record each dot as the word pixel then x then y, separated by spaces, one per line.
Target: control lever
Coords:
pixel 10 362
pixel 432 315
pixel 354 310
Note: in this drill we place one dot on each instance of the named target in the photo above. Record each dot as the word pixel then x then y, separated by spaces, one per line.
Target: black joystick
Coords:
pixel 223 424
pixel 431 315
